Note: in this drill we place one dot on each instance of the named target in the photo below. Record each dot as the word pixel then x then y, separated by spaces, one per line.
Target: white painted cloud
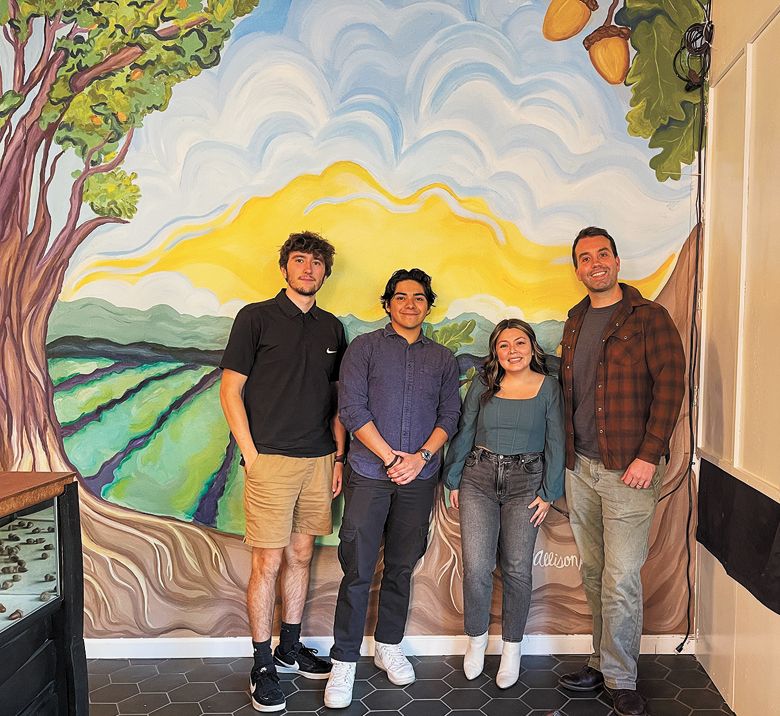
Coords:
pixel 465 93
pixel 167 288
pixel 489 307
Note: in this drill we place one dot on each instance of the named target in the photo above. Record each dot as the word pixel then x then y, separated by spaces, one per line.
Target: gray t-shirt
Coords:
pixel 586 356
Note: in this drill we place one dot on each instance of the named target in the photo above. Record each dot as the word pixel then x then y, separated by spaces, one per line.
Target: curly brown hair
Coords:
pixel 308 242
pixel 493 373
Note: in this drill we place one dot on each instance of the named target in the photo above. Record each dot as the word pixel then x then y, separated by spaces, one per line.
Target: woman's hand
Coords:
pixel 542 508
pixel 454 499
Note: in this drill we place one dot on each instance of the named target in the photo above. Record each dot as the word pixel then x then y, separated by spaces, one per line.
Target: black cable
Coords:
pixel 692 64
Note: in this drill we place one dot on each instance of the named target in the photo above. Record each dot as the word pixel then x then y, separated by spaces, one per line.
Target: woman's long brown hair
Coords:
pixel 493 373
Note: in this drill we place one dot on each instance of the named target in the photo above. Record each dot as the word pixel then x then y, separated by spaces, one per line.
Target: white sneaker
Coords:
pixel 474 658
pixel 509 669
pixel 338 690
pixel 391 659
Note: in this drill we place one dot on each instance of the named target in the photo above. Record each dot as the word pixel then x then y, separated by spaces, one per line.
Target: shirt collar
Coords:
pixel 388 330
pixel 290 310
pixel 631 298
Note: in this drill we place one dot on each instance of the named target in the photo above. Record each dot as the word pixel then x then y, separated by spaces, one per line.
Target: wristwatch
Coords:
pixel 426 454
pixel 341 458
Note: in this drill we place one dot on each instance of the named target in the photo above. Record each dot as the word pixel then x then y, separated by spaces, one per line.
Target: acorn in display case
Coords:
pixel 24 563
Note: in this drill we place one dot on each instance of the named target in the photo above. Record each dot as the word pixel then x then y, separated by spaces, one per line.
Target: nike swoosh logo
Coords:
pixel 328 350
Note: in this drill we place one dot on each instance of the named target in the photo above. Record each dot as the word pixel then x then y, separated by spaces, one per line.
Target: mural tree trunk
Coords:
pixel 96 77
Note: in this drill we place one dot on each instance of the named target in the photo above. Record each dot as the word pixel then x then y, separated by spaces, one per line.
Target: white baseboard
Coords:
pixel 535 644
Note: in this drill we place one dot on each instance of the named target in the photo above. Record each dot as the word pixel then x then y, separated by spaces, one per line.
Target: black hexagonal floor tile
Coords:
pixel 176 710
pixel 106 666
pixel 652 670
pixel 103 710
pixel 387 700
pixel 209 672
pixel 224 702
pixel 700 698
pixel 356 708
pixel 365 669
pixel 589 707
pixel 162 683
pixel 133 674
pixel 432 667
pixel 425 708
pixel 513 692
pixel 678 662
pixel 219 687
pixel 667 707
pixel 428 689
pixel 539 679
pixel 178 666
pixel 193 692
pixel 457 680
pixel 505 707
pixel 549 699
pixel 466 699
pixel 143 703
pixel 97 681
pixel 113 693
pixel 362 688
pixel 689 679
pixel 305 701
pixel 533 663
pixel 657 688
pixel 231 682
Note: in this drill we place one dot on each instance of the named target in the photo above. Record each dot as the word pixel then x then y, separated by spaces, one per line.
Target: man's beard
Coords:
pixel 305 290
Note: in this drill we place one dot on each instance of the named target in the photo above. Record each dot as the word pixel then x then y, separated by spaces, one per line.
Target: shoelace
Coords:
pixel 299 648
pixel 394 656
pixel 264 674
pixel 341 674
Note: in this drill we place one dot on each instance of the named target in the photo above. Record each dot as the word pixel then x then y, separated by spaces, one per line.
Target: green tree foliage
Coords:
pixel 662 110
pixel 116 62
pixel 453 335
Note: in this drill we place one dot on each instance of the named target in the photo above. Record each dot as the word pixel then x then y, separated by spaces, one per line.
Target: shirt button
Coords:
pixel 601 431
pixel 599 385
pixel 568 367
pixel 599 409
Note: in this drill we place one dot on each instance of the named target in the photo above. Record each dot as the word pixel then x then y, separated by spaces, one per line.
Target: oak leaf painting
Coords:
pixel 154 154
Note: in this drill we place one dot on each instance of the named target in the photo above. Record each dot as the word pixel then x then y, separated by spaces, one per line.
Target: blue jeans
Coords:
pixel 495 492
pixel 611 525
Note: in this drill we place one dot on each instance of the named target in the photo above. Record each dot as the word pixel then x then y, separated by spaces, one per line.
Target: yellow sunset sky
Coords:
pixel 476 258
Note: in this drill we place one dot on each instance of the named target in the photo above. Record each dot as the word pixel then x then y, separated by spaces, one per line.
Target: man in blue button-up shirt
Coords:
pixel 398 396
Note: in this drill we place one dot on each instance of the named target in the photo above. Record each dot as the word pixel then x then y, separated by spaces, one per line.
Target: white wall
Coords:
pixel 739 638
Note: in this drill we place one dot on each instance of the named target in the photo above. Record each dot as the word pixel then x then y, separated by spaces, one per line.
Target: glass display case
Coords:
pixel 29 562
pixel 43 671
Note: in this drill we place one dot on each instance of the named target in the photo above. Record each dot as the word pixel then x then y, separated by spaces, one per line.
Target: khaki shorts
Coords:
pixel 283 495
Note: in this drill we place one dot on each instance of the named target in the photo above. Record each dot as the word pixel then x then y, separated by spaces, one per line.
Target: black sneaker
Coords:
pixel 302 660
pixel 267 695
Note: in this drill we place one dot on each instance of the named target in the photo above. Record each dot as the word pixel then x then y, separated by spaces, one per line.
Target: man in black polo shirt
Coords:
pixel 278 377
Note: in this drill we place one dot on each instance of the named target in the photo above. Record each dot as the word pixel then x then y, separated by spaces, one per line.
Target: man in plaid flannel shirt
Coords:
pixel 623 378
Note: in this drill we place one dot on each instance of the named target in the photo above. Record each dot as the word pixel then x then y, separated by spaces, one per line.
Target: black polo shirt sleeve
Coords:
pixel 241 349
pixel 341 349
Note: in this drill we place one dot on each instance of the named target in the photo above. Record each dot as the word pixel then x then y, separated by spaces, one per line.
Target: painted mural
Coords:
pixel 156 153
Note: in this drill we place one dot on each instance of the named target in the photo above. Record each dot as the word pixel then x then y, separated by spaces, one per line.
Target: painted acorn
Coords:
pixel 608 50
pixel 566 18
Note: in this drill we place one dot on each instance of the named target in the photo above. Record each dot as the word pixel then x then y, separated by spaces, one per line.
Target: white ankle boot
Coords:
pixel 474 658
pixel 509 669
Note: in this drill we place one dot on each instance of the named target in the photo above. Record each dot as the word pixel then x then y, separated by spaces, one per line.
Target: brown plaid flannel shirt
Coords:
pixel 640 381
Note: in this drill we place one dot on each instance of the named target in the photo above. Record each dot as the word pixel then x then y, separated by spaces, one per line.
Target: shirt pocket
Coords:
pixel 430 380
pixel 626 347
